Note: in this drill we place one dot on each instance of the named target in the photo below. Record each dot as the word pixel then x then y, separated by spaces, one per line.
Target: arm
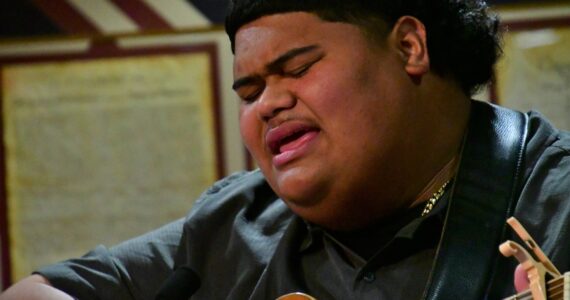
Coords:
pixel 133 269
pixel 34 287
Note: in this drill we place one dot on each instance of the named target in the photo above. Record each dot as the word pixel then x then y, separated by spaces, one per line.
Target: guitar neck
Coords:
pixel 557 289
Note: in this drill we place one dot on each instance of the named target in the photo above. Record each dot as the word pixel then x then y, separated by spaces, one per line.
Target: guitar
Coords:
pixel 296 296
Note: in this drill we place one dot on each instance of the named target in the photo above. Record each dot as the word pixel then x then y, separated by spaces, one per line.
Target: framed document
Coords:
pixel 535 71
pixel 104 145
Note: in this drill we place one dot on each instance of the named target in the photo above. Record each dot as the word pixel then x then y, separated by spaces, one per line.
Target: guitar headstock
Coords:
pixel 536 265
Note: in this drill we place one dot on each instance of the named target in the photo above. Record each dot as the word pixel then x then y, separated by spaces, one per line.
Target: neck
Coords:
pixel 443 176
pixel 437 159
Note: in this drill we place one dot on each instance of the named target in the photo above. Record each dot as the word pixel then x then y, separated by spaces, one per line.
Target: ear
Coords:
pixel 409 37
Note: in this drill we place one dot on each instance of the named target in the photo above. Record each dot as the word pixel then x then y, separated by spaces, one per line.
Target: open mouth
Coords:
pixel 290 142
pixel 288 138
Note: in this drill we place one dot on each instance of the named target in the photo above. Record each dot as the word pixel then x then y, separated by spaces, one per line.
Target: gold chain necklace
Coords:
pixel 434 198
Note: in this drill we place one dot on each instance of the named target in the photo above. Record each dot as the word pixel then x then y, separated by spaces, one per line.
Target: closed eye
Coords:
pixel 250 95
pixel 299 72
pixel 302 70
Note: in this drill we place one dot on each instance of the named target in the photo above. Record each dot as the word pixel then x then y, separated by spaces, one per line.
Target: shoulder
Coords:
pixel 232 232
pixel 547 149
pixel 243 205
pixel 246 194
pixel 544 202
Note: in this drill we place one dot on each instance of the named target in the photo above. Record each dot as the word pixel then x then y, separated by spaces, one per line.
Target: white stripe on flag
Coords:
pixel 179 13
pixel 105 15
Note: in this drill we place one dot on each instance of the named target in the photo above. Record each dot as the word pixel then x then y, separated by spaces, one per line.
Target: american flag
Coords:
pixel 31 18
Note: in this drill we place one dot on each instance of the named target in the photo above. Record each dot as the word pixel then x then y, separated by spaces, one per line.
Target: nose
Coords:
pixel 273 100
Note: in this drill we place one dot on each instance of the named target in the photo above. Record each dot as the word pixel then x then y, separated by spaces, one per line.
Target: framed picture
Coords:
pixel 534 73
pixel 106 139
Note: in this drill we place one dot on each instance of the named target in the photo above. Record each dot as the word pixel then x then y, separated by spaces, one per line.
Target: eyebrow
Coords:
pixel 274 65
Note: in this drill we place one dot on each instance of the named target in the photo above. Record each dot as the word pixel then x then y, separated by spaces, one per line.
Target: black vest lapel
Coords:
pixel 484 194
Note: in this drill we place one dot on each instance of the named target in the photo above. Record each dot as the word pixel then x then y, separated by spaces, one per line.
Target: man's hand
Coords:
pixel 34 287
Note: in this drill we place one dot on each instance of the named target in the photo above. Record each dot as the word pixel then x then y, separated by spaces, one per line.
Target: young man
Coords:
pixel 379 177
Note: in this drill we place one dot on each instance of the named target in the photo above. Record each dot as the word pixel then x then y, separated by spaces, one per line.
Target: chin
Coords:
pixel 328 219
pixel 299 189
pixel 333 212
pixel 314 206
pixel 299 199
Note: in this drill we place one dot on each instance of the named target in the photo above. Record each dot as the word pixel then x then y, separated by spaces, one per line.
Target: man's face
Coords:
pixel 326 114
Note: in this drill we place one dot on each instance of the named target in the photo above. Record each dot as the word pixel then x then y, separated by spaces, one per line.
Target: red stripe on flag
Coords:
pixel 145 17
pixel 66 16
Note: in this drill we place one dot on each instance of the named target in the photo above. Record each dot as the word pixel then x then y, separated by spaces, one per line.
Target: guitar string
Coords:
pixel 554 284
pixel 526 295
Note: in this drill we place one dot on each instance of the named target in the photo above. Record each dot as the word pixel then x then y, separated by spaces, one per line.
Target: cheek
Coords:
pixel 248 127
pixel 355 110
pixel 341 101
pixel 325 92
pixel 252 131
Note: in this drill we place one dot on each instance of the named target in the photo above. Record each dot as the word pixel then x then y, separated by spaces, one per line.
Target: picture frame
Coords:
pixel 100 132
pixel 534 73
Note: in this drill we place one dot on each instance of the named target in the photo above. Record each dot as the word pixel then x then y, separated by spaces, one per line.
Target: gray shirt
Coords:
pixel 244 243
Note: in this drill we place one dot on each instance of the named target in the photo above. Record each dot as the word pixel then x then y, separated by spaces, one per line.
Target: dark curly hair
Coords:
pixel 463 38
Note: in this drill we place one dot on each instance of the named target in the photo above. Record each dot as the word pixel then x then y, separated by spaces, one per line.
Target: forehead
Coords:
pixel 283 24
pixel 270 36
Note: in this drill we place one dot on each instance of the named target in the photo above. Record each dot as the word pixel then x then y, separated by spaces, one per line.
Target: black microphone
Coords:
pixel 181 285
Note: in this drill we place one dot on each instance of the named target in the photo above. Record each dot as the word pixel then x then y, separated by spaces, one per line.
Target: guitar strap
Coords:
pixel 483 197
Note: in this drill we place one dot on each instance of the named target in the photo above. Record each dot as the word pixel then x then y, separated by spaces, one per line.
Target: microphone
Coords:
pixel 181 285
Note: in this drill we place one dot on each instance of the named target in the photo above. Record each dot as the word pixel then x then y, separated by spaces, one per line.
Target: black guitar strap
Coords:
pixel 484 195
